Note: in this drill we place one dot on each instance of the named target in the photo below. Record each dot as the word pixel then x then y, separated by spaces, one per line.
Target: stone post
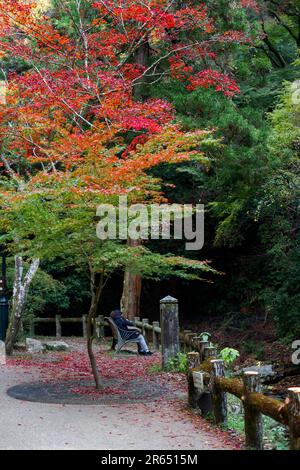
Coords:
pixel 169 322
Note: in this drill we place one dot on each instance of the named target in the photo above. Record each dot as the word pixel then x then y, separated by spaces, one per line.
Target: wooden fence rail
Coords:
pixel 57 320
pixel 151 331
pixel 208 388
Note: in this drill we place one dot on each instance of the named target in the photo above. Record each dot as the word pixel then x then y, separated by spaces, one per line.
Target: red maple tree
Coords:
pixel 74 113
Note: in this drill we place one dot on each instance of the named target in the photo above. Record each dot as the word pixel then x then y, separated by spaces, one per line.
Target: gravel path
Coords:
pixel 163 425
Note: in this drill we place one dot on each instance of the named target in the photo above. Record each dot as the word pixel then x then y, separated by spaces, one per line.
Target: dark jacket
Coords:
pixel 123 324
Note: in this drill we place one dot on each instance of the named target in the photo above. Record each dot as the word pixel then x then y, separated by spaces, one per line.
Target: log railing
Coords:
pixel 208 388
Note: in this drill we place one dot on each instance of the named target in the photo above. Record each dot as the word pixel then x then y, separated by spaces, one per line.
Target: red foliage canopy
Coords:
pixel 78 95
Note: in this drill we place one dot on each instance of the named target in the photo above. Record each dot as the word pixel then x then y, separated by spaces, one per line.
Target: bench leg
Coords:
pixel 114 344
pixel 119 346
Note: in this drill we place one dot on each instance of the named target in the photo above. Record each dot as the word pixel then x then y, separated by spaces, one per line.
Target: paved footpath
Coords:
pixel 28 425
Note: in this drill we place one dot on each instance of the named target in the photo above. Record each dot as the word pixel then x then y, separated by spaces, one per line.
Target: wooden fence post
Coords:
pixel 219 398
pixel 199 395
pixel 253 418
pixel 193 394
pixel 185 346
pixel 155 335
pixel 294 417
pixel 189 340
pixel 31 328
pixel 169 321
pixel 84 326
pixel 210 352
pixel 196 344
pixel 58 326
pixel 145 321
pixel 193 359
pixel 203 345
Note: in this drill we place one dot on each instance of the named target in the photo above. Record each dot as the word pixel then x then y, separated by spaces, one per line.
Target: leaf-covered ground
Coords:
pixel 127 408
pixel 118 372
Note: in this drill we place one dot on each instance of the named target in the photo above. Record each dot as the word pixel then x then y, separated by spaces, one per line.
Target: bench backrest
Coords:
pixel 119 334
pixel 114 328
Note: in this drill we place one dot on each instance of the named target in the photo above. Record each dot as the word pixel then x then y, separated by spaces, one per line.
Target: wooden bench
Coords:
pixel 121 336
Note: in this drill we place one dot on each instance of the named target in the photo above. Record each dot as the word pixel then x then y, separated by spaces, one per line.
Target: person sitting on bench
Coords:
pixel 124 324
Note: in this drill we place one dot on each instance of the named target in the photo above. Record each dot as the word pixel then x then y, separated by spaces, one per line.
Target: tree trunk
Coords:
pixel 142 54
pixel 20 292
pixel 141 57
pixel 93 362
pixel 96 290
pixel 277 59
pixel 132 287
pixel 130 302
